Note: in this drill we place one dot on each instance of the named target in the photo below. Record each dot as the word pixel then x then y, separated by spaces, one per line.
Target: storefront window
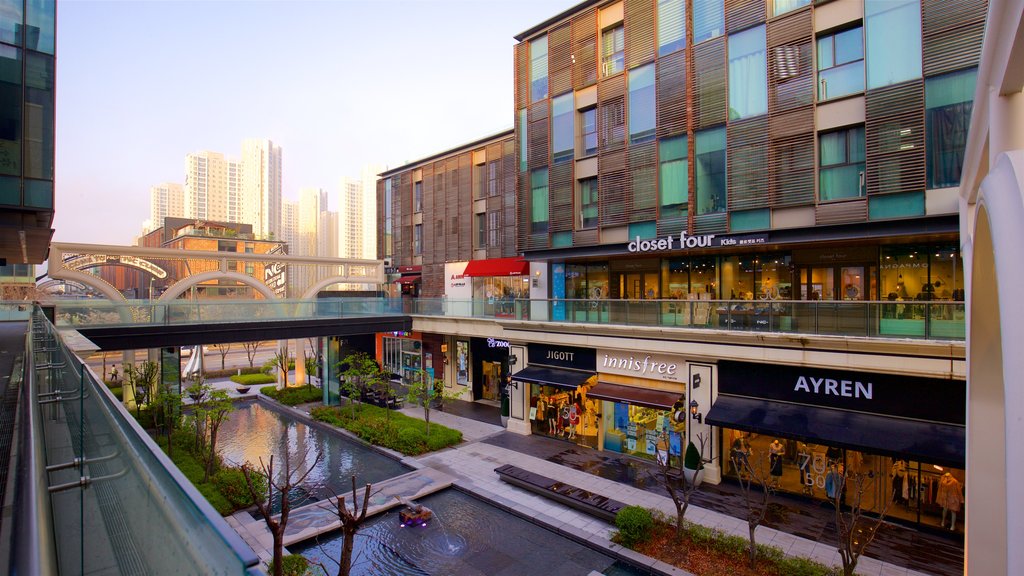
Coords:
pixel 641 431
pixel 924 284
pixel 499 293
pixel 919 492
pixel 691 279
pixel 564 413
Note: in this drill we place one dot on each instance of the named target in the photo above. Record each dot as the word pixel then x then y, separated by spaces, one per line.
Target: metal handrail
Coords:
pixel 34 551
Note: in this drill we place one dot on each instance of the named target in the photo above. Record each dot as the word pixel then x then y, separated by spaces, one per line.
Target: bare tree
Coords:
pixel 351 521
pixel 223 350
pixel 284 487
pixel 679 489
pixel 250 351
pixel 854 531
pixel 754 484
pixel 282 362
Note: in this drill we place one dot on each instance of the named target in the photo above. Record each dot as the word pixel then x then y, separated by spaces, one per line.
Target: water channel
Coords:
pixel 467 536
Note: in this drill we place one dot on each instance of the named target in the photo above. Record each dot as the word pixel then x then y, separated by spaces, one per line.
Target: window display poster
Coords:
pixel 622 418
pixel 675 443
pixel 631 436
pixel 462 362
pixel 652 441
pixel 558 290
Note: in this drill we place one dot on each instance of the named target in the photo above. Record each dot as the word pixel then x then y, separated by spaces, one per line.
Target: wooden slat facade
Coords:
pixel 522 75
pixel 790 62
pixel 841 212
pixel 747 161
pixel 584 49
pixel 740 14
pixel 639 32
pixel 560 190
pixel 894 138
pixel 671 94
pixel 560 60
pixel 710 70
pixel 643 181
pixel 952 33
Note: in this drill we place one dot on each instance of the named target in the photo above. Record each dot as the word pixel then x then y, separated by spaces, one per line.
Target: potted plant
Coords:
pixel 693 465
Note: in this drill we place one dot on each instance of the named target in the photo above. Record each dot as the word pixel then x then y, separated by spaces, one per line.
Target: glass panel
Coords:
pixel 832 148
pixel 825 53
pixel 855 147
pixel 949 100
pixel 561 128
pixel 539 201
pixel 10 21
pixel 588 203
pixel 671 26
pixel 39 29
pixel 588 131
pixel 783 6
pixel 822 284
pixel 896 205
pixel 840 182
pixel 708 20
pixel 893 41
pixel 849 46
pixel 39 194
pixel 644 230
pixel 852 279
pixel 641 104
pixel 539 69
pixel 750 220
pixel 841 80
pixel 673 184
pixel 710 182
pixel 10 190
pixel 522 141
pixel 612 51
pixel 748 74
pixel 738 277
pixel 10 110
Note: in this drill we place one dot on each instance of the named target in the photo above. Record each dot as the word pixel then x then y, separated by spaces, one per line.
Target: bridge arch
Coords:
pixel 179 288
pixel 91 280
pixel 311 292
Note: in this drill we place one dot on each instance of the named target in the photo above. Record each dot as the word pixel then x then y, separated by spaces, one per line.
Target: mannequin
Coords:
pixel 899 480
pixel 775 452
pixel 950 497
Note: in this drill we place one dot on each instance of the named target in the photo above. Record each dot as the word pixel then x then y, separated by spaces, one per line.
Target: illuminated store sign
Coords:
pixel 685 242
pixel 654 366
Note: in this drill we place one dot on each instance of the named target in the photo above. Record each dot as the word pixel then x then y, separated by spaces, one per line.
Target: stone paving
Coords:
pixel 471 466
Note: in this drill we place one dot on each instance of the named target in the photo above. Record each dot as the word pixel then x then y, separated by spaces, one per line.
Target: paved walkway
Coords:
pixel 487 446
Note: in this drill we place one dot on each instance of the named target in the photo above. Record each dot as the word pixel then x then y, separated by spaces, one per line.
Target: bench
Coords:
pixel 571 496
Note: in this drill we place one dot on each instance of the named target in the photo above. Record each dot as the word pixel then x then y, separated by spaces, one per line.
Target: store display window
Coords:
pixel 497 294
pixel 914 491
pixel 585 284
pixel 564 413
pixel 925 283
pixel 649 433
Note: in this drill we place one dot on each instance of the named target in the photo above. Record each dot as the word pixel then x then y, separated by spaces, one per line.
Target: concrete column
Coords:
pixel 300 364
pixel 127 393
pixel 1006 117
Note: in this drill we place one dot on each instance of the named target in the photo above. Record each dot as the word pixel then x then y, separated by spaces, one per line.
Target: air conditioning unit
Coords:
pixel 387 262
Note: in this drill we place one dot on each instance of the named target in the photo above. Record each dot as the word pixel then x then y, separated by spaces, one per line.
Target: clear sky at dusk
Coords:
pixel 337 84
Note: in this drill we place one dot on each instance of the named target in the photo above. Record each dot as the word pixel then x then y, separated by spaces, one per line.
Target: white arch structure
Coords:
pixel 342 270
pixel 992 235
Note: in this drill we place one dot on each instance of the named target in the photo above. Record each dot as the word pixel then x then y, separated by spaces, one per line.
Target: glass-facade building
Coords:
pixel 27 50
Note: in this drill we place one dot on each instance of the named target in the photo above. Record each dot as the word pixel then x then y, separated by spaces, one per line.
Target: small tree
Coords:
pixel 360 372
pixel 142 379
pixel 250 351
pixel 351 521
pixel 311 366
pixel 282 362
pixel 423 391
pixel 284 486
pixel 218 407
pixel 199 392
pixel 754 484
pixel 854 531
pixel 679 489
pixel 223 350
pixel 169 403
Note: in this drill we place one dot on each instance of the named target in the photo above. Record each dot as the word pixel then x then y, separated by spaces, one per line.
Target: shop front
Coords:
pixel 490 367
pixel 802 425
pixel 496 285
pixel 558 379
pixel 643 404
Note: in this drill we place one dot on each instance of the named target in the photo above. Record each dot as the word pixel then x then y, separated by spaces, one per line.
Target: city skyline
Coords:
pixel 179 81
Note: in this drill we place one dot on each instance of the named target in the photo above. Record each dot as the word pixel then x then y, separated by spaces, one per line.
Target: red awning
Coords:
pixel 498 267
pixel 410 279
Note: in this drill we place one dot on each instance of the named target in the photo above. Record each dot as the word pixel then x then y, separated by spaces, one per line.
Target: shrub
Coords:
pixel 399 432
pixel 118 392
pixel 692 459
pixel 253 379
pixel 293 396
pixel 230 372
pixel 796 566
pixel 635 525
pixel 269 391
pixel 294 565
pixel 411 440
pixel 231 483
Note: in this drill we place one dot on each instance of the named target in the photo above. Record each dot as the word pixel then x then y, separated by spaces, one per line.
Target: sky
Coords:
pixel 337 84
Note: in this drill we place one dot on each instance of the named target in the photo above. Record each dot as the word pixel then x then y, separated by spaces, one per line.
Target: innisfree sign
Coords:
pixel 85 261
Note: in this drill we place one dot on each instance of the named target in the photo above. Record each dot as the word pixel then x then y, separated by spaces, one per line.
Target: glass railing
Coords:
pixel 15 311
pixel 935 320
pixel 116 503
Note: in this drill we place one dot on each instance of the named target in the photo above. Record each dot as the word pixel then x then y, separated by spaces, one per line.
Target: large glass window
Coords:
pixel 522 141
pixel 613 45
pixel 563 413
pixel 10 110
pixel 539 69
pixel 40 25
pixel 588 131
pixel 649 433
pixel 748 74
pixel 417 240
pixel 480 223
pixel 711 193
pixel 893 41
pixel 562 110
pixel 388 238
pixel 641 104
pixel 539 201
pixel 708 20
pixel 10 21
pixel 671 26
pixel 479 181
pixel 948 102
pixel 783 6
pixel 841 157
pixel 673 183
pixel 417 196
pixel 841 64
pixel 587 203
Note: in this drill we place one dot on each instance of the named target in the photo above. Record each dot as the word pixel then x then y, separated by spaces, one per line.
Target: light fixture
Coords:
pixel 695 413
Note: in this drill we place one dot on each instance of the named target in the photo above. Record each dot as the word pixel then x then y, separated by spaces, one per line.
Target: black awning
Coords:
pixel 633 395
pixel 928 442
pixel 552 376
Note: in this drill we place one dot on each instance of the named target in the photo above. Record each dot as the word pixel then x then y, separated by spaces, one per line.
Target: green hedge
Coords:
pixel 635 524
pixel 294 396
pixel 225 491
pixel 253 379
pixel 230 372
pixel 395 431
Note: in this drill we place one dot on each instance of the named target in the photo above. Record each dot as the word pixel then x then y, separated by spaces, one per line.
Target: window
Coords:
pixel 539 69
pixel 561 128
pixel 612 51
pixel 480 223
pixel 492 228
pixel 10 113
pixel 613 124
pixel 479 181
pixel 841 159
pixel 539 201
pixel 641 104
pixel 893 41
pixel 39 116
pixel 841 64
pixel 748 74
pixel 710 182
pixel 587 202
pixel 708 19
pixel 417 196
pixel 948 101
pixel 783 6
pixel 588 132
pixel 417 240
pixel 673 184
pixel 522 140
pixel 388 238
pixel 492 177
pixel 671 26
